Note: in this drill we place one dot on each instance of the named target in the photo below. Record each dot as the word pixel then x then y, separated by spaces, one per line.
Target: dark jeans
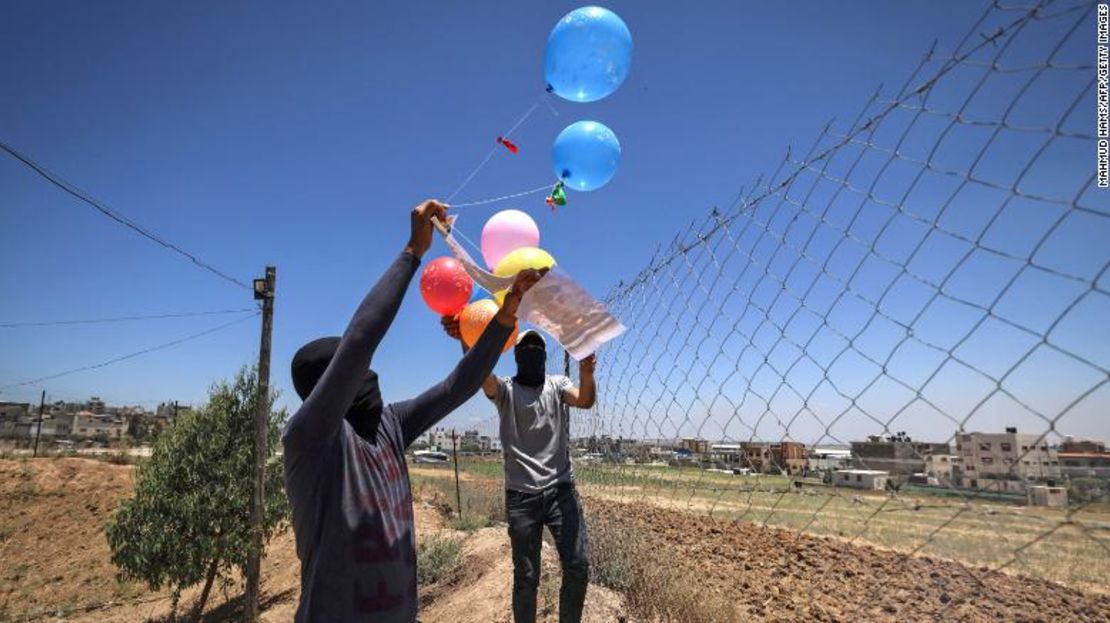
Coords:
pixel 559 509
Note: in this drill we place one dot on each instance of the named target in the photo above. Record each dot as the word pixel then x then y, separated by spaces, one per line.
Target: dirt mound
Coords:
pixel 770 573
pixel 52 515
pixel 57 565
pixel 482 591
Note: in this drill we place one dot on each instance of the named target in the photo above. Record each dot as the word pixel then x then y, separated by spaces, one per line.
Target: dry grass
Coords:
pixel 654 588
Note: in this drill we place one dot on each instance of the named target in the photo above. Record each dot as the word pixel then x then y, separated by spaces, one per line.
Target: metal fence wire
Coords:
pixel 937 267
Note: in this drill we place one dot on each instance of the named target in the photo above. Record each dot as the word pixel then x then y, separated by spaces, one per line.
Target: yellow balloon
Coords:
pixel 522 258
pixel 499 296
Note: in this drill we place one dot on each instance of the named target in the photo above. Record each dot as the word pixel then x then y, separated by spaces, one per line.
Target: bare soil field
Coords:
pixel 55 564
pixel 775 574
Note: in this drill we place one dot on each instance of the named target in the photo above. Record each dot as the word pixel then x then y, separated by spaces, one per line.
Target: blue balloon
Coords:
pixel 588 54
pixel 586 155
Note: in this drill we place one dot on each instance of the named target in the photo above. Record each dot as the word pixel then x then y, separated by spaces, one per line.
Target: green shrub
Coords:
pixel 437 559
pixel 189 519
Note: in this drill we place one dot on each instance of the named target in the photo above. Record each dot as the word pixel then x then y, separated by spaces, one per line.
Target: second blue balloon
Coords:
pixel 586 155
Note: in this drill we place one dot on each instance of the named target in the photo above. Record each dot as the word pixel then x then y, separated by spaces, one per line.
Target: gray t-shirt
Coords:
pixel 535 433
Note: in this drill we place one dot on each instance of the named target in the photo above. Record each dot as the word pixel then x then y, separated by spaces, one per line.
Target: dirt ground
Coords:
pixel 55 566
pixel 55 563
pixel 775 574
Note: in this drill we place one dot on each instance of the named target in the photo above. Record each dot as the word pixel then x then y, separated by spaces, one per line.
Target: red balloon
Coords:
pixel 445 286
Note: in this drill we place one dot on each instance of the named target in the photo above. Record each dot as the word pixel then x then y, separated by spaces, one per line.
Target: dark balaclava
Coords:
pixel 531 359
pixel 309 364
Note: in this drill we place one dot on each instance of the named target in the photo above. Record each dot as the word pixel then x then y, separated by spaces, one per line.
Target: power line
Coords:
pixel 16 325
pixel 122 220
pixel 132 355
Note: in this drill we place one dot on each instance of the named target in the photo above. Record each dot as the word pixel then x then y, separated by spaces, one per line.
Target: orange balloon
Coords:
pixel 473 321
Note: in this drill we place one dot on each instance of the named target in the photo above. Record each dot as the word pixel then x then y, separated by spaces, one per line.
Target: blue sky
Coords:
pixel 300 135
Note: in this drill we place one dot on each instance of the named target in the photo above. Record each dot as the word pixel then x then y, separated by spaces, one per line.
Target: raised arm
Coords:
pixel 451 328
pixel 473 371
pixel 585 395
pixel 318 420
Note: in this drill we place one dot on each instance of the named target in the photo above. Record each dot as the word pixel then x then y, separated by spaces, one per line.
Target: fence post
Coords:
pixel 455 454
pixel 38 431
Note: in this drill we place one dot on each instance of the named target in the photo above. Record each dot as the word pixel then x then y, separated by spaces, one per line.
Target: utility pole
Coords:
pixel 42 406
pixel 458 492
pixel 263 291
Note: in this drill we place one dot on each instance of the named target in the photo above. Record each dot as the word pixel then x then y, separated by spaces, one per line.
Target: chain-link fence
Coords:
pixel 892 338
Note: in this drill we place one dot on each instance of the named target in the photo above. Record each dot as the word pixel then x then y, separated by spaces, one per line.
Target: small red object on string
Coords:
pixel 508 145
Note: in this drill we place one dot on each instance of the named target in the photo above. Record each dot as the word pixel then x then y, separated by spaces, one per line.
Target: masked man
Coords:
pixel 345 471
pixel 539 479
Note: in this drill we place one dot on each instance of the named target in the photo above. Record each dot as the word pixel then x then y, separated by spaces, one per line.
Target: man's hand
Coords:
pixel 420 238
pixel 585 395
pixel 524 281
pixel 451 326
pixel 587 365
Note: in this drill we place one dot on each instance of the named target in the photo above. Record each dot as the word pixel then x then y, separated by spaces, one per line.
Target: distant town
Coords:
pixel 1007 463
pixel 89 423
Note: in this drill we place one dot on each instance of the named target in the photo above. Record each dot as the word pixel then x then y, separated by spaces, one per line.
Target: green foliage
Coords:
pixel 191 508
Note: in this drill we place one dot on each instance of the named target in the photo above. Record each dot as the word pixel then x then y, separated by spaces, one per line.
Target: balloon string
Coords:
pixel 502 198
pixel 494 150
pixel 522 119
pixel 480 166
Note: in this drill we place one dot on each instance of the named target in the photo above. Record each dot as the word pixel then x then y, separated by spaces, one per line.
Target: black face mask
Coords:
pixel 531 362
pixel 365 411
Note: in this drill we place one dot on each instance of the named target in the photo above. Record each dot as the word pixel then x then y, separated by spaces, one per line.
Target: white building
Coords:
pixel 439 439
pixel 1005 461
pixel 1041 495
pixel 829 458
pixel 872 479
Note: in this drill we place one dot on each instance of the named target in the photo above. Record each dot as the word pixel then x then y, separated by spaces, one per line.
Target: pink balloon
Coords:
pixel 505 232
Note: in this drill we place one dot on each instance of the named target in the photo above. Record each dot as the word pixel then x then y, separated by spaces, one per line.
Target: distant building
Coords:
pixel 829 458
pixel 942 467
pixel 439 439
pixel 52 427
pixel 88 424
pixel 898 455
pixel 14 410
pixel 695 445
pixel 1042 495
pixel 1083 459
pixel 728 453
pixel 870 479
pixel 787 456
pixel 1005 461
pixel 96 405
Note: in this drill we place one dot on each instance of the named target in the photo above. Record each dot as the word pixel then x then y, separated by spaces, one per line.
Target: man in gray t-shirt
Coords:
pixel 539 479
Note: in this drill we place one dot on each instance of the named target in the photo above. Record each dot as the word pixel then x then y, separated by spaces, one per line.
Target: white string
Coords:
pixel 480 166
pixel 501 198
pixel 489 156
